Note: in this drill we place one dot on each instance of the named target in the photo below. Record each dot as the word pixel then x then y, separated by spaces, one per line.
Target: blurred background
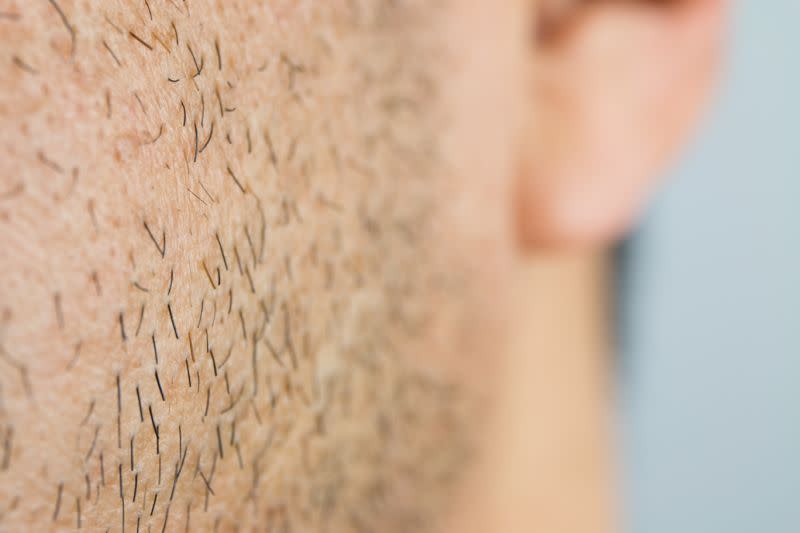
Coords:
pixel 709 422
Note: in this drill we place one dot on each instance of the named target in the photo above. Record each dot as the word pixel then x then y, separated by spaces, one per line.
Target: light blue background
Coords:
pixel 710 314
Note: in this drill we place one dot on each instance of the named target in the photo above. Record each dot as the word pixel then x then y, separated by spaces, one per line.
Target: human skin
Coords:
pixel 222 224
pixel 264 268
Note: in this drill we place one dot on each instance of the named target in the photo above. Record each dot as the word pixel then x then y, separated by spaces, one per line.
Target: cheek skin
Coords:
pixel 483 96
pixel 208 321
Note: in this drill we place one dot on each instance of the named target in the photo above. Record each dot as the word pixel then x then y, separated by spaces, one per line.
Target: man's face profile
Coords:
pixel 259 258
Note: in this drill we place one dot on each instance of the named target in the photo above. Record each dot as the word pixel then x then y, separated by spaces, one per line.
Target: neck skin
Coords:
pixel 549 459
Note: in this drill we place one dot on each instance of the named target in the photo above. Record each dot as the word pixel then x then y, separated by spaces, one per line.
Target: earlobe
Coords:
pixel 618 89
pixel 575 215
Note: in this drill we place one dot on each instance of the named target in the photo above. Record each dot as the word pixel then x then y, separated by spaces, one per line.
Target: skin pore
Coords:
pixel 224 219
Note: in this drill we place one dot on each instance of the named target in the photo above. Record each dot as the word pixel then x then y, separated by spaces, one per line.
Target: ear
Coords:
pixel 617 88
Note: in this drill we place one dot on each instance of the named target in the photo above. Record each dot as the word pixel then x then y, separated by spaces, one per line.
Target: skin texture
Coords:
pixel 221 269
pixel 277 265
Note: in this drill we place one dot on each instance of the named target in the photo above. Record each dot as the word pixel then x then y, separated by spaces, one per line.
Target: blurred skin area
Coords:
pixel 293 266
